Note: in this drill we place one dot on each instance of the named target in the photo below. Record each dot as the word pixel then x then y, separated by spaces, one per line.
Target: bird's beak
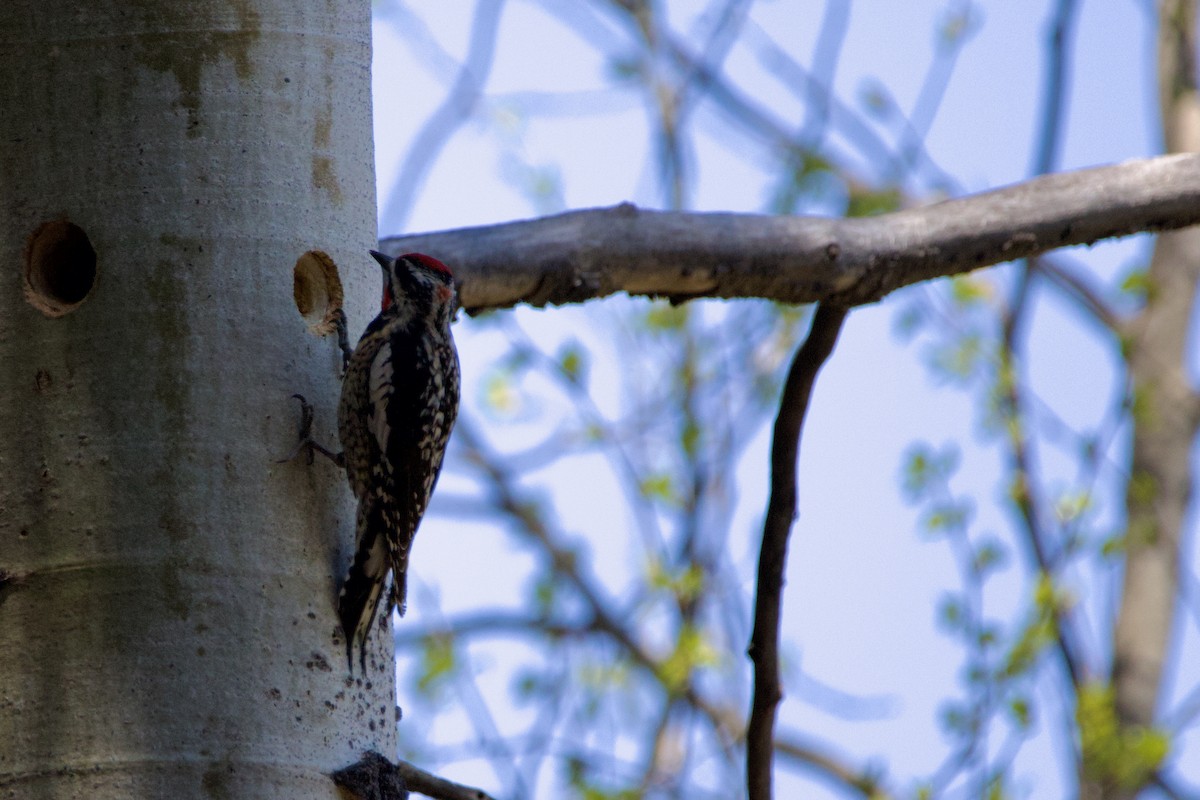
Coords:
pixel 383 258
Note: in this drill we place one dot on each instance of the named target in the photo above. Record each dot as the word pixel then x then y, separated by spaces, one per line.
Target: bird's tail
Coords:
pixel 400 578
pixel 363 587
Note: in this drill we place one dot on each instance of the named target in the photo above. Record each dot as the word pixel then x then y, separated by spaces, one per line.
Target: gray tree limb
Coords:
pixel 581 255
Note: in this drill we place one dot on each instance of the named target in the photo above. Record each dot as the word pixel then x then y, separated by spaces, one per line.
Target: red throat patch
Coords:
pixel 387 299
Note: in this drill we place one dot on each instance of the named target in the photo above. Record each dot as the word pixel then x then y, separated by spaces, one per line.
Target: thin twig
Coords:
pixel 831 35
pixel 1029 500
pixel 930 95
pixel 563 560
pixel 727 723
pixel 1078 289
pixel 866 782
pixel 1025 493
pixel 456 110
pixel 1054 92
pixel 781 510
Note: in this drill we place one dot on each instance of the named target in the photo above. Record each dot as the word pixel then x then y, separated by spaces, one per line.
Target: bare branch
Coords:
pixel 422 782
pixel 1053 94
pixel 950 41
pixel 582 255
pixel 456 109
pixel 1078 289
pixel 781 510
pixel 562 559
pixel 1025 491
pixel 842 119
pixel 1159 491
pixel 866 782
pixel 835 24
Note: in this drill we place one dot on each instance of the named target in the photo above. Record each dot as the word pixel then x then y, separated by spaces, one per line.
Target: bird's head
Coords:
pixel 418 280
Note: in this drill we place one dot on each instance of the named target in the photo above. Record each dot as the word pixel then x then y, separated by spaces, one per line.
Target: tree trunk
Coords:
pixel 167 591
pixel 1165 415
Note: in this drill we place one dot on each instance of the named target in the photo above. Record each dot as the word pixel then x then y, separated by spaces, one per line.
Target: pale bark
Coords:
pixel 1165 426
pixel 166 590
pixel 581 255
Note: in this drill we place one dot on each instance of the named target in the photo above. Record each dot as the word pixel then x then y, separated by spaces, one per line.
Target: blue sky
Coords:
pixel 862 584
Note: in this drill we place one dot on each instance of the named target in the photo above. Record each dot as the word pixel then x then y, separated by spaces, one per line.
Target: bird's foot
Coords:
pixel 307 444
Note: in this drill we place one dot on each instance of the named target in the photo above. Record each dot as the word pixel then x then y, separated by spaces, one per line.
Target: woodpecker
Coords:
pixel 398 406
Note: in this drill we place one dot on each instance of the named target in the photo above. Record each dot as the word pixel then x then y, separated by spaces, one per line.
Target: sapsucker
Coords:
pixel 398 405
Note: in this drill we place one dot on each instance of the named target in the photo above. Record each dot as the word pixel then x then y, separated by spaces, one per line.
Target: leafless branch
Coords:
pixel 1054 92
pixel 781 511
pixel 563 560
pixel 422 782
pixel 374 777
pixel 1077 288
pixel 1160 491
pixel 1026 492
pixel 484 623
pixel 866 782
pixel 454 111
pixel 727 723
pixel 582 255
pixel 835 24
pixel 950 42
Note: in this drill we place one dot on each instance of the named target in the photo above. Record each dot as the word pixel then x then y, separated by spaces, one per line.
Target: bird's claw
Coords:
pixel 305 438
pixel 307 444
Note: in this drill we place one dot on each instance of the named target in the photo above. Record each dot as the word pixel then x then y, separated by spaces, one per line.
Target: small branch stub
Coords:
pixel 60 268
pixel 372 778
pixel 376 778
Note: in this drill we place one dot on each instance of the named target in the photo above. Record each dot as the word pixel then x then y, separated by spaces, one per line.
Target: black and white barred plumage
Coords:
pixel 399 402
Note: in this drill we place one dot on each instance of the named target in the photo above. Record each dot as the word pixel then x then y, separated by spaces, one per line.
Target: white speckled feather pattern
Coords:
pixel 398 406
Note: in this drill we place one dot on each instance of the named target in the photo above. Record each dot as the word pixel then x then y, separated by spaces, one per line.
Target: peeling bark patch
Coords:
pixel 169 43
pixel 60 268
pixel 42 382
pixel 323 130
pixel 324 172
pixel 324 178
